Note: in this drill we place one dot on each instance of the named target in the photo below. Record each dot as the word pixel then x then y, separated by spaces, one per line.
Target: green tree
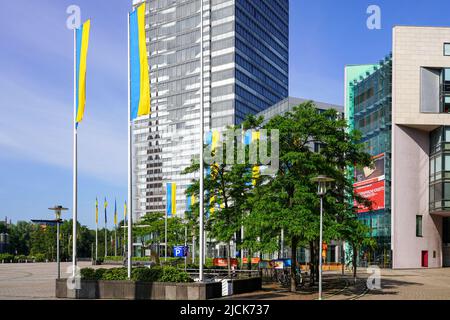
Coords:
pixel 153 225
pixel 292 194
pixel 226 188
pixel 20 237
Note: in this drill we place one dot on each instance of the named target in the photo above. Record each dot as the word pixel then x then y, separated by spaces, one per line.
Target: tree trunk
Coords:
pixel 311 264
pixel 342 257
pixel 294 243
pixel 229 259
pixel 355 255
pixel 249 260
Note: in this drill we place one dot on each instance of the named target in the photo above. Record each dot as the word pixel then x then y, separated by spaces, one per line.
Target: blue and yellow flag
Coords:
pixel 115 212
pixel 256 172
pixel 251 137
pixel 125 212
pixel 106 205
pixel 82 44
pixel 171 199
pixel 96 211
pixel 140 82
pixel 190 201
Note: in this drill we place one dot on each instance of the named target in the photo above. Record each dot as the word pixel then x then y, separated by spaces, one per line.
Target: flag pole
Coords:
pixel 165 230
pixel 74 213
pixel 96 242
pixel 106 231
pixel 202 133
pixel 129 202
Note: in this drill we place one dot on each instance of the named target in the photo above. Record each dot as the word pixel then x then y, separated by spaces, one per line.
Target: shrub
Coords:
pixel 88 274
pixel 113 258
pixel 155 274
pixel 39 257
pixel 6 257
pixel 146 274
pixel 20 258
pixel 172 274
pixel 99 274
pixel 115 274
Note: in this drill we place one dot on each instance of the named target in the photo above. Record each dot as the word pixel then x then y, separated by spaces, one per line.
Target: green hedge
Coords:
pixel 120 258
pixel 172 274
pixel 6 257
pixel 155 274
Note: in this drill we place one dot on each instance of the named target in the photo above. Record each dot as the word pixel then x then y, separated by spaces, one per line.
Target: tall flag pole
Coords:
pixel 124 229
pixel 138 96
pixel 81 44
pixel 96 230
pixel 115 228
pixel 106 229
pixel 202 167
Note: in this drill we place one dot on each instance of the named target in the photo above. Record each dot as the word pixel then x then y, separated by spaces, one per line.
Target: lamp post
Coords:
pixel 57 210
pixel 323 183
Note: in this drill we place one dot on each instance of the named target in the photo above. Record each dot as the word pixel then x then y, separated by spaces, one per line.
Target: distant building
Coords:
pixel 289 103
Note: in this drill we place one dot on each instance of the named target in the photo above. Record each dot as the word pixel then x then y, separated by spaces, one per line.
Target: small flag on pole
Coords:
pixel 190 202
pixel 115 212
pixel 82 44
pixel 256 136
pixel 139 70
pixel 125 212
pixel 171 200
pixel 106 218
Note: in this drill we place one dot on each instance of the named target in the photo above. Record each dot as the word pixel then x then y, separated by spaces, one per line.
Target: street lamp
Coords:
pixel 323 183
pixel 57 210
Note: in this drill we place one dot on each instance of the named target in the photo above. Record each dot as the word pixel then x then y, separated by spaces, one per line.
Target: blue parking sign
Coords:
pixel 180 251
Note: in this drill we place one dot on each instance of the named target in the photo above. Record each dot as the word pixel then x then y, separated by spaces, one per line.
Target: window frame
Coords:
pixel 419 231
pixel 444 48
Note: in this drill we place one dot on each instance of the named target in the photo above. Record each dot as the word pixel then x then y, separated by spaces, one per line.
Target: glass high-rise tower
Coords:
pixel 245 70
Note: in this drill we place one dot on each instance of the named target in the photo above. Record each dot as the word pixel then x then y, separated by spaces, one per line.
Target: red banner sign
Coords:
pixel 222 262
pixel 370 184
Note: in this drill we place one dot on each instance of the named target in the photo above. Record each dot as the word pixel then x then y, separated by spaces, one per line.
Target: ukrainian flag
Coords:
pixel 171 199
pixel 125 212
pixel 106 205
pixel 256 172
pixel 190 201
pixel 115 212
pixel 140 82
pixel 250 137
pixel 82 44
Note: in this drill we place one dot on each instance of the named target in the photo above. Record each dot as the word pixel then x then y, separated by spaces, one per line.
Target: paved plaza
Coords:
pixel 31 280
pixel 37 281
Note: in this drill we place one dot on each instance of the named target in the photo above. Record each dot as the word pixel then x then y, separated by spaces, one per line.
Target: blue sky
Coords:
pixel 36 77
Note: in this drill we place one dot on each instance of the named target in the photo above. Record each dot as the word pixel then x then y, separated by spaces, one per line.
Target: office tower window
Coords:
pixel 419 226
pixel 446 49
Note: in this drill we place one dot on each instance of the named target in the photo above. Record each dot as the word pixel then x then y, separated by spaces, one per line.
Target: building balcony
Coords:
pixel 440 208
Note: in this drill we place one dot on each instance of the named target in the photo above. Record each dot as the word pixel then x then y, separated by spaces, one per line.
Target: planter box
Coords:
pixel 246 285
pixel 133 290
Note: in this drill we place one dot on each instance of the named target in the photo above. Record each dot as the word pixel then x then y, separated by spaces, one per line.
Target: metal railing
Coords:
pixel 220 274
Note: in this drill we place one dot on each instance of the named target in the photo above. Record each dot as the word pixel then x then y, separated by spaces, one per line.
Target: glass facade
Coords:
pixel 370 113
pixel 440 169
pixel 245 45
